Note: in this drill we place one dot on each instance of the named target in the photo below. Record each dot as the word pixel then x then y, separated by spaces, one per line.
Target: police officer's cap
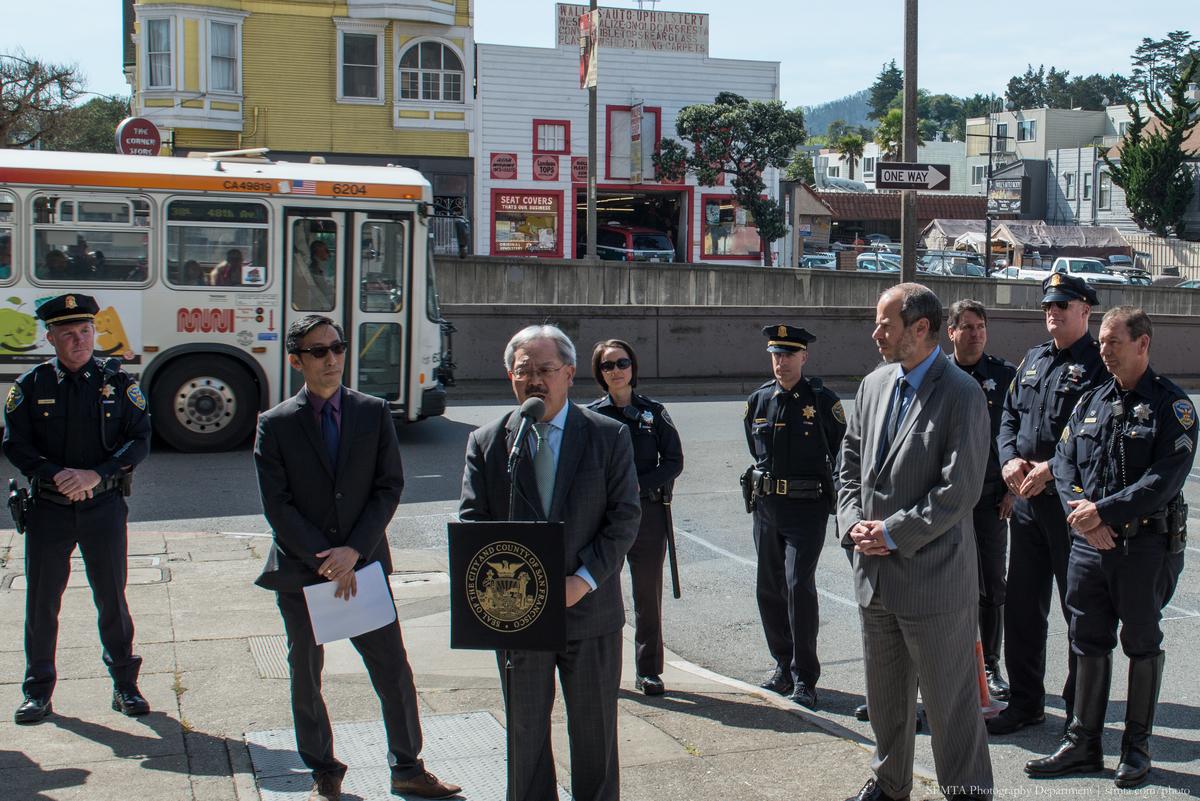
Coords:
pixel 1060 286
pixel 68 309
pixel 786 338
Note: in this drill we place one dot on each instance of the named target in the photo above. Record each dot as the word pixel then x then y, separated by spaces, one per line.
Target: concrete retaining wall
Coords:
pixel 529 281
pixel 680 342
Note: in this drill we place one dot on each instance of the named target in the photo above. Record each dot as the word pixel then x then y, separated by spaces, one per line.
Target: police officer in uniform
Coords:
pixel 76 428
pixel 794 428
pixel 658 458
pixel 1121 466
pixel 1049 382
pixel 968 334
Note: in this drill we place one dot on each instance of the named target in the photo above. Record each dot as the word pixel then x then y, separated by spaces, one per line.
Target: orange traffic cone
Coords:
pixel 990 707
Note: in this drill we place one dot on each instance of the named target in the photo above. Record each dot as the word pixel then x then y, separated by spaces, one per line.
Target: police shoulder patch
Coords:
pixel 839 413
pixel 14 398
pixel 746 413
pixel 1066 434
pixel 667 418
pixel 135 395
pixel 1185 412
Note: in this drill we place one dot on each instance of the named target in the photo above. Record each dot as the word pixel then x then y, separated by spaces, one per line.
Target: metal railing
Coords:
pixel 445 243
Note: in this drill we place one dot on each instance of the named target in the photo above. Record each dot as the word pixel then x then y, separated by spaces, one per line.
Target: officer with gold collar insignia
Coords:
pixel 76 427
pixel 1121 464
pixel 794 428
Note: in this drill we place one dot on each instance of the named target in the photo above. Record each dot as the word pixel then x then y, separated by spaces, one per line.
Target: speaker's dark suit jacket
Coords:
pixel 596 497
pixel 311 509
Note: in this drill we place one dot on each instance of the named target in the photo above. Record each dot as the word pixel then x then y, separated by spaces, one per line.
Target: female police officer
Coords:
pixel 658 457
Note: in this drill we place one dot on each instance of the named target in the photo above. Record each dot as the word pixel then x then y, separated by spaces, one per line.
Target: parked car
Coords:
pixel 1191 283
pixel 951 262
pixel 1010 273
pixel 1135 275
pixel 819 261
pixel 878 262
pixel 1091 270
pixel 615 242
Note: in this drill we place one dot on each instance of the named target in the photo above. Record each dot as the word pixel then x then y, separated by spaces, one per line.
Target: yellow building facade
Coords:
pixel 349 81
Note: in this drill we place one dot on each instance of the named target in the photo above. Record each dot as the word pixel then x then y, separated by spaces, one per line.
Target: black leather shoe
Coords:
pixel 1010 720
pixel 871 791
pixel 780 682
pixel 33 709
pixel 128 700
pixel 803 696
pixel 862 713
pixel 650 685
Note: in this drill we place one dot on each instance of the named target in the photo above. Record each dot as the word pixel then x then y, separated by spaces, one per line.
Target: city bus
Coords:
pixel 200 264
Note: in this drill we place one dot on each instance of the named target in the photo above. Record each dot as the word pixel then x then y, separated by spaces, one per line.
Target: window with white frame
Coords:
pixel 223 57
pixel 1069 185
pixel 551 138
pixel 360 61
pixel 1026 130
pixel 431 71
pixel 834 172
pixel 158 49
pixel 978 172
pixel 868 166
pixel 1087 186
pixel 1122 127
pixel 1104 196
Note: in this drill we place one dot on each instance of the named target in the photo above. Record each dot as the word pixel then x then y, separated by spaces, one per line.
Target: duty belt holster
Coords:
pixel 1171 521
pixel 48 491
pixel 797 489
pixel 654 495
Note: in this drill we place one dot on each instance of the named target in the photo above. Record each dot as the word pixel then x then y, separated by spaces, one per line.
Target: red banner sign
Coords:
pixel 504 166
pixel 579 169
pixel 545 168
pixel 137 136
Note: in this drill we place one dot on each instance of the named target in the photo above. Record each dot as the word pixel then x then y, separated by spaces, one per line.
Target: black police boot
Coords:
pixel 780 682
pixel 991 635
pixel 1080 751
pixel 128 700
pixel 1145 680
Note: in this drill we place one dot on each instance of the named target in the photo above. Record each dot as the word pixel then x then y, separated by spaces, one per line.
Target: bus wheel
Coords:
pixel 204 405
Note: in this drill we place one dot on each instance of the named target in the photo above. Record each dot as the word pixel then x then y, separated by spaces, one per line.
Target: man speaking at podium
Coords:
pixel 578 470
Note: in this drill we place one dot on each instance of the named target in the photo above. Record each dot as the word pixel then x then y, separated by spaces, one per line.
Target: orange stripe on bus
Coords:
pixel 199 183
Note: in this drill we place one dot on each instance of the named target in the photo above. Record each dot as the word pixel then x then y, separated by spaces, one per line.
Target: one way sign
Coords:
pixel 930 177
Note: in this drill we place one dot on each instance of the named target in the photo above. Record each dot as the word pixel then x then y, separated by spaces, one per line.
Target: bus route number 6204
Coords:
pixel 349 189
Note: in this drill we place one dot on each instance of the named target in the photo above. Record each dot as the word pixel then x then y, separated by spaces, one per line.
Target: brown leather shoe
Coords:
pixel 425 785
pixel 327 787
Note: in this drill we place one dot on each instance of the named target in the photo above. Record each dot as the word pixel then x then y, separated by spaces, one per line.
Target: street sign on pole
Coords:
pixel 926 177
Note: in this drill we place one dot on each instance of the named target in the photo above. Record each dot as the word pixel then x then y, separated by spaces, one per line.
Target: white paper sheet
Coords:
pixel 337 619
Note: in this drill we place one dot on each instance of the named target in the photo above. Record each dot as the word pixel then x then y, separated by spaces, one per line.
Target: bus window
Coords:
pixel 314 265
pixel 379 359
pixel 7 218
pixel 91 240
pixel 216 243
pixel 383 254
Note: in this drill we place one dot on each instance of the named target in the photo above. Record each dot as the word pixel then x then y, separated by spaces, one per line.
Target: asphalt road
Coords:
pixel 716 623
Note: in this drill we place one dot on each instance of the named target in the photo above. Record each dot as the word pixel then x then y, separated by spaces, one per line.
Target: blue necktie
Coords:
pixel 893 423
pixel 329 433
pixel 543 466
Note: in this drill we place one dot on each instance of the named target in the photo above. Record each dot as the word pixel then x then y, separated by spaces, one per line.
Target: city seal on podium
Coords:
pixel 506 586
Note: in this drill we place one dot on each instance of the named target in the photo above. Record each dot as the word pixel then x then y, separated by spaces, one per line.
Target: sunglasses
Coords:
pixel 1061 305
pixel 619 364
pixel 321 351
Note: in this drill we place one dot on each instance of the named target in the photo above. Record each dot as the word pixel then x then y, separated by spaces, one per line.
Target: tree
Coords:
pixel 835 132
pixel 889 135
pixel 34 97
pixel 889 82
pixel 1028 90
pixel 1152 170
pixel 741 138
pixel 1156 63
pixel 800 168
pixel 851 148
pixel 89 128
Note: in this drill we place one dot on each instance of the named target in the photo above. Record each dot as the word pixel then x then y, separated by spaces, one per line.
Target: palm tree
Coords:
pixel 889 135
pixel 851 148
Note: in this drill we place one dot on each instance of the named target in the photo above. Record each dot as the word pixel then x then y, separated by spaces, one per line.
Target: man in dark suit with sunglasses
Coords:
pixel 1049 382
pixel 329 512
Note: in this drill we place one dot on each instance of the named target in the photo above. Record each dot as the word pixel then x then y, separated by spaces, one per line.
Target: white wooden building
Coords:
pixel 531 157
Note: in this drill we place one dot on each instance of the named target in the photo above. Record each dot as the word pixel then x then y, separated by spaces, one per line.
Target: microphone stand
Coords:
pixel 506 673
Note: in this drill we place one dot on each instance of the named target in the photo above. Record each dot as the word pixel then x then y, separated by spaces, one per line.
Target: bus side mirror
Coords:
pixel 462 232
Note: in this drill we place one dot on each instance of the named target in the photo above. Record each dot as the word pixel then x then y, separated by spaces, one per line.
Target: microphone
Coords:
pixel 531 411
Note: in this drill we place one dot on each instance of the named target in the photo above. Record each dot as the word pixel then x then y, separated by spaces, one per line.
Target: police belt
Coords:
pixel 653 495
pixel 800 489
pixel 993 488
pixel 48 491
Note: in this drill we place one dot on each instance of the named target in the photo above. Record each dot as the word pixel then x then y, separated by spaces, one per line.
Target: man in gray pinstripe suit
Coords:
pixel 912 468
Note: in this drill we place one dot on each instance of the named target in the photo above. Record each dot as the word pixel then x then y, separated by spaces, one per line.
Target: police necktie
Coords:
pixel 893 422
pixel 543 467
pixel 74 420
pixel 329 433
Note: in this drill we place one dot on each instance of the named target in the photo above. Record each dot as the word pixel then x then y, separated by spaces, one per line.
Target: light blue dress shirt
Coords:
pixel 913 378
pixel 555 438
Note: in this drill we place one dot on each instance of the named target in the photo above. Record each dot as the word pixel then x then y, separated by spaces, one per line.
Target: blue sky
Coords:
pixel 827 50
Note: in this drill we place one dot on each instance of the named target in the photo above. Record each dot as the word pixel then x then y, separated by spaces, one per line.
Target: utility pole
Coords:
pixel 908 197
pixel 592 255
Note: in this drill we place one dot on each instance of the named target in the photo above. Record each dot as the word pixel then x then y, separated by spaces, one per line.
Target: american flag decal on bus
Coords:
pixel 304 187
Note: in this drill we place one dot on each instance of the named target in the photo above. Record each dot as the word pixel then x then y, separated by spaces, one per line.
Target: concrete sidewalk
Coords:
pixel 215 675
